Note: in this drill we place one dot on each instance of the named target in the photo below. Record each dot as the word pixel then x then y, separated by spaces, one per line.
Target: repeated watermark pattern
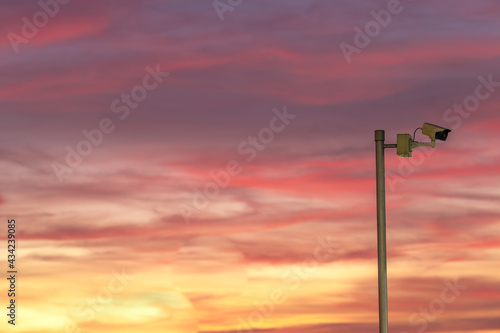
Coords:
pixel 293 277
pixel 31 27
pixel 222 6
pixel 372 29
pixel 437 306
pixel 120 106
pixel 88 309
pixel 249 149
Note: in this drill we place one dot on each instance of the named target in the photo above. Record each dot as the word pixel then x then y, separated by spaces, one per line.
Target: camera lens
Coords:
pixel 442 135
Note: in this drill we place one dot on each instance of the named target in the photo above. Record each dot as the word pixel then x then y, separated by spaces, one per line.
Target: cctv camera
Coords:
pixel 435 132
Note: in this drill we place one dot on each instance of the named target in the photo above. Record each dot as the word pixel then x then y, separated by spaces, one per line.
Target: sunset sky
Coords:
pixel 196 166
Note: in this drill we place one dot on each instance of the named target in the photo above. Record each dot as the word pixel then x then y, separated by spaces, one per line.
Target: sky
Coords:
pixel 209 166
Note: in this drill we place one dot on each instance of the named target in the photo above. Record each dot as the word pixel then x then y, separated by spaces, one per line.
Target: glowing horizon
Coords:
pixel 172 171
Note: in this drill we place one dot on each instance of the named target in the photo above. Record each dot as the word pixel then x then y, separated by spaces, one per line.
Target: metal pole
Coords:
pixel 381 240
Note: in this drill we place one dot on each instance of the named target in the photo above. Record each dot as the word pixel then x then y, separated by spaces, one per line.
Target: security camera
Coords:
pixel 406 143
pixel 435 132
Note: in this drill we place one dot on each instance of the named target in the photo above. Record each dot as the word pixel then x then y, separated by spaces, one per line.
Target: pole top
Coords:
pixel 379 135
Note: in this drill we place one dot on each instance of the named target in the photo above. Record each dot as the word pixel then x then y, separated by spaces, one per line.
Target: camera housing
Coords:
pixel 435 132
pixel 406 143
